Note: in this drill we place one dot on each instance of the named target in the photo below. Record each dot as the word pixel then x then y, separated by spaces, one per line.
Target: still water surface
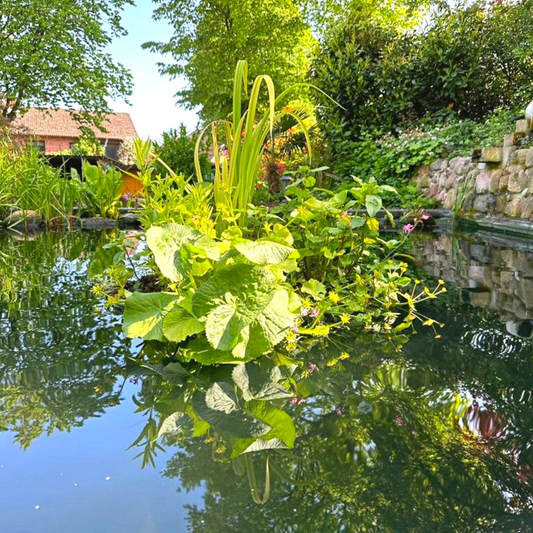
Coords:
pixel 435 438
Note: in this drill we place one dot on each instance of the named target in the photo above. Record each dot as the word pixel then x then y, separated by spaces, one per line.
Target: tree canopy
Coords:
pixel 53 54
pixel 211 36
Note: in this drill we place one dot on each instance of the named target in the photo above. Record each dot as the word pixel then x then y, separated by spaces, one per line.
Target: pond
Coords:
pixel 436 437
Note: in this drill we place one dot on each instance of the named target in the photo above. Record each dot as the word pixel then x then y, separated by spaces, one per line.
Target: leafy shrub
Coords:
pixel 28 183
pixel 472 58
pixel 101 187
pixel 177 150
pixel 392 159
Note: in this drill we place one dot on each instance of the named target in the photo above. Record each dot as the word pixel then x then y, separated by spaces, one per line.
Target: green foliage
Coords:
pixel 237 171
pixel 177 151
pixel 211 36
pixel 53 54
pixel 170 198
pixel 237 409
pixel 469 57
pixel 51 378
pixel 88 145
pixel 102 189
pixel 237 298
pixel 28 183
pixel 392 159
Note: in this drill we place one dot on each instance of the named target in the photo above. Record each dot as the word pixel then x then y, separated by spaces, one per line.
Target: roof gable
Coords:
pixel 60 123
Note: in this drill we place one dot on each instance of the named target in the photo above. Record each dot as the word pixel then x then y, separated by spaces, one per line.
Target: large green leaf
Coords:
pixel 282 434
pixel 166 242
pixel 244 311
pixel 179 324
pixel 249 287
pixel 201 351
pixel 144 314
pixel 219 408
pixel 256 384
pixel 264 252
pixel 373 204
pixel 280 422
pixel 271 325
pixel 314 288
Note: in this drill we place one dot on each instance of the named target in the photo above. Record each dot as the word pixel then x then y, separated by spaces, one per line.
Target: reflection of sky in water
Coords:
pixel 65 475
pixel 84 480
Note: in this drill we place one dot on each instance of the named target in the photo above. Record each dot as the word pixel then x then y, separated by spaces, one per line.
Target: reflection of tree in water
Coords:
pixel 432 440
pixel 58 357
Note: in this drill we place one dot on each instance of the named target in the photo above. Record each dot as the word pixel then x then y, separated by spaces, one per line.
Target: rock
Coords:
pixel 494 185
pixel 24 219
pixel 483 182
pixel 527 209
pixel 435 166
pixel 518 180
pixel 444 165
pixel 501 204
pixel 513 208
pixel 424 181
pixel 480 299
pixel 491 155
pixel 129 220
pixel 529 158
pixel 468 202
pixel 450 183
pixel 522 126
pixel 98 223
pixel 507 153
pixel 509 140
pixel 504 182
pixel 433 190
pixel 521 156
pixel 481 203
pixel 449 201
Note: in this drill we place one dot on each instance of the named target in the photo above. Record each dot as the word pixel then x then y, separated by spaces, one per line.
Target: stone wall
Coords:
pixel 493 182
pixel 495 277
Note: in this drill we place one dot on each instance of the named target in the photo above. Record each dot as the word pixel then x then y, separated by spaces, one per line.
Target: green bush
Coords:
pixel 177 150
pixel 392 159
pixel 473 59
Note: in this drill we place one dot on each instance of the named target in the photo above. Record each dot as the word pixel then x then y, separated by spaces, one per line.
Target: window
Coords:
pixel 37 145
pixel 111 151
pixel 72 146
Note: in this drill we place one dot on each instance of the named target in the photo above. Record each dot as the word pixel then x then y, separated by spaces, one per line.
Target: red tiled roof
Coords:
pixel 59 123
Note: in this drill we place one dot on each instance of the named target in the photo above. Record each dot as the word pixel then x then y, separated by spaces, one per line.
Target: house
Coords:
pixel 55 130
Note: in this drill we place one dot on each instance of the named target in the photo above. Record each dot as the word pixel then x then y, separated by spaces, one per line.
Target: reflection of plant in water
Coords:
pixel 381 445
pixel 58 359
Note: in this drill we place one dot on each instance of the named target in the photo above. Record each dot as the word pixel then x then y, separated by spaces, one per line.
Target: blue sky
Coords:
pixel 153 108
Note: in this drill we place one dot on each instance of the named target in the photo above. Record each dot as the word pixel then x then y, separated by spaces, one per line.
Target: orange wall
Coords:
pixel 131 185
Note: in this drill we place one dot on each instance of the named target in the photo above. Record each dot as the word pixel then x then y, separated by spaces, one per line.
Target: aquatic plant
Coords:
pixel 237 164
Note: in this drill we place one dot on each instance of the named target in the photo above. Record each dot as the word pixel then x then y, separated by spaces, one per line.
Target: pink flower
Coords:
pixel 425 217
pixel 295 329
pixel 314 313
pixel 399 420
pixel 313 367
pixel 298 401
pixel 408 228
pixel 345 215
pixel 126 197
pixel 305 311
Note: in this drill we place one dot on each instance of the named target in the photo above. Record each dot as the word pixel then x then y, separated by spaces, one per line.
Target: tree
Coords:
pixel 53 54
pixel 210 36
